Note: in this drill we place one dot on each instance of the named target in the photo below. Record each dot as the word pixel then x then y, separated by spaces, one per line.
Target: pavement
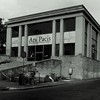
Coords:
pixel 7 85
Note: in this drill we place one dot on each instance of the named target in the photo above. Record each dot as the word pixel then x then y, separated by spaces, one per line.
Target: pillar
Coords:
pixel 90 46
pixel 20 41
pixel 61 37
pixel 8 41
pixel 79 37
pixel 26 40
pixel 88 39
pixel 53 37
pixel 98 47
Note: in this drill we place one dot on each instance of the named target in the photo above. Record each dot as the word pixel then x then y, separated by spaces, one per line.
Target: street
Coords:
pixel 74 91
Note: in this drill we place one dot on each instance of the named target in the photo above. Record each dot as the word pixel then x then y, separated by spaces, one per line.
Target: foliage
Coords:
pixel 2 36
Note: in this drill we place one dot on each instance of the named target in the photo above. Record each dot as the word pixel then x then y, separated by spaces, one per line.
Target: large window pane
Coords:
pixel 57 49
pixel 69 24
pixel 23 29
pixel 14 51
pixel 15 31
pixel 58 26
pixel 40 28
pixel 31 53
pixel 94 44
pixel 47 51
pixel 69 49
pixel 39 48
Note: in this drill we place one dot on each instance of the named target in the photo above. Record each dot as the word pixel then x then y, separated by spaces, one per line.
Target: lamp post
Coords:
pixel 23 56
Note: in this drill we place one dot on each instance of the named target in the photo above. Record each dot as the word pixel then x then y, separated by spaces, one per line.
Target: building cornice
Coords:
pixel 63 11
pixel 46 14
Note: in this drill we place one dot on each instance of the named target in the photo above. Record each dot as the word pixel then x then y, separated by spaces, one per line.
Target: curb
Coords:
pixel 34 87
pixel 46 85
pixel 4 88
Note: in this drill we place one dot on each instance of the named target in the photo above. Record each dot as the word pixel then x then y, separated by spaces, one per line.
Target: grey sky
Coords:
pixel 15 8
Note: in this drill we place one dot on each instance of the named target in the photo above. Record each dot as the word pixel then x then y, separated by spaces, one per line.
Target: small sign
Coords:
pixel 70 71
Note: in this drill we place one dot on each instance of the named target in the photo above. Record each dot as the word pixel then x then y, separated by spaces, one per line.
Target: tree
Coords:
pixel 2 36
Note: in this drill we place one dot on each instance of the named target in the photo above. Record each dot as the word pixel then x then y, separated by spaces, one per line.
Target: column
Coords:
pixel 98 47
pixel 8 41
pixel 80 31
pixel 88 39
pixel 90 46
pixel 20 41
pixel 26 40
pixel 61 37
pixel 53 37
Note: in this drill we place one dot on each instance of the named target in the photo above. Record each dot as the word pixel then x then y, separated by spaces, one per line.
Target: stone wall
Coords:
pixel 83 68
pixel 61 65
pixel 14 72
pixel 74 62
pixel 48 67
pixel 4 58
pixel 91 68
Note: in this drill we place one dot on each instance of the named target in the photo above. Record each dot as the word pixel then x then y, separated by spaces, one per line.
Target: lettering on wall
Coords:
pixel 40 39
pixel 45 39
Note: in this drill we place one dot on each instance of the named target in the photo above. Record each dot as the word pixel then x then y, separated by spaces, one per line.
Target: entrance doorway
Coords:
pixel 39 56
pixel 39 52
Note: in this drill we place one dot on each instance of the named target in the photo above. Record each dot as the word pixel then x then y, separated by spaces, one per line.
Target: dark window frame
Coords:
pixel 15 31
pixel 69 24
pixel 40 28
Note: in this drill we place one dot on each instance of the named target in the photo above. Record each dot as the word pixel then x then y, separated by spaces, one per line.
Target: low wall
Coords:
pixel 14 72
pixel 61 65
pixel 4 57
pixel 83 68
pixel 48 67
pixel 91 68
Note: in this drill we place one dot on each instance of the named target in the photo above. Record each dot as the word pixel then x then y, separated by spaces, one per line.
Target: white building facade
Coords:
pixel 64 32
pixel 67 31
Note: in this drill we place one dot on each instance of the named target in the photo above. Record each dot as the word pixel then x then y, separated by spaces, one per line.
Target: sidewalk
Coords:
pixel 6 85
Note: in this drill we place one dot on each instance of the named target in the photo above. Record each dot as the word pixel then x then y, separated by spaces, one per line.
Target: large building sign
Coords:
pixel 40 39
pixel 69 37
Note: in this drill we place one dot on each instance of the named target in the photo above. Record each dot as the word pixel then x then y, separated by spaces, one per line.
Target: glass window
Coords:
pixel 31 53
pixel 94 44
pixel 57 49
pixel 15 31
pixel 23 29
pixel 47 51
pixel 39 48
pixel 69 24
pixel 85 39
pixel 69 49
pixel 58 26
pixel 14 51
pixel 40 28
pixel 41 52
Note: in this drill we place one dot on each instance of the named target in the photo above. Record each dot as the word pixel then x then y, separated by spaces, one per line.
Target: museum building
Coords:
pixel 69 34
pixel 66 31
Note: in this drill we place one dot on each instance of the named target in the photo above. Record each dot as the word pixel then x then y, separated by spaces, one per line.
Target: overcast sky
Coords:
pixel 16 8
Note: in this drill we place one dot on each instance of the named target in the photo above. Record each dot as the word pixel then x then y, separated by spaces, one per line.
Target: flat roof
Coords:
pixel 67 10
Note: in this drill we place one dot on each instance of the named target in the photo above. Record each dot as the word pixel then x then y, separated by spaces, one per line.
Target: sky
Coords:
pixel 15 8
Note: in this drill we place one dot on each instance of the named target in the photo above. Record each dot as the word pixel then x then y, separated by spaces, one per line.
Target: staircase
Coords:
pixel 10 63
